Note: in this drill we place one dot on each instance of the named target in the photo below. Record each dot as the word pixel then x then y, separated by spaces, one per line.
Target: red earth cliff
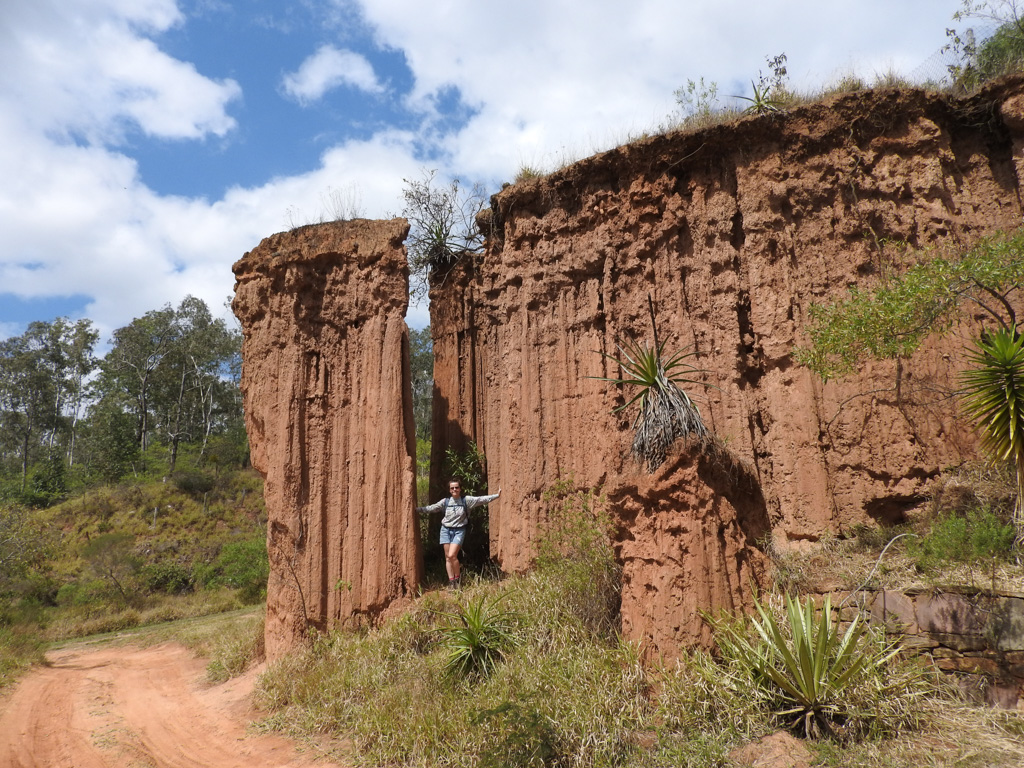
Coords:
pixel 734 231
pixel 328 407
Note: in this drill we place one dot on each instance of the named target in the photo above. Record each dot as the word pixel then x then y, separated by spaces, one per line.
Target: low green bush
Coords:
pixel 243 565
pixel 167 577
pixel 194 482
pixel 980 535
pixel 86 592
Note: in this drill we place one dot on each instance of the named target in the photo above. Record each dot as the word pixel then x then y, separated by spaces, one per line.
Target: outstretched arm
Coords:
pixel 435 507
pixel 472 502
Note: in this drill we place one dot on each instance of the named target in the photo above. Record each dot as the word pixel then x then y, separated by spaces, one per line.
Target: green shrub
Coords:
pixel 243 565
pixel 87 592
pixel 979 536
pixel 171 578
pixel 194 482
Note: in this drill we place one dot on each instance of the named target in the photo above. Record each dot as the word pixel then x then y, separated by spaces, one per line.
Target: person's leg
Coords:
pixel 448 558
pixel 451 560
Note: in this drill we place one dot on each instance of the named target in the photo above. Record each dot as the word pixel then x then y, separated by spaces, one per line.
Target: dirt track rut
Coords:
pixel 116 707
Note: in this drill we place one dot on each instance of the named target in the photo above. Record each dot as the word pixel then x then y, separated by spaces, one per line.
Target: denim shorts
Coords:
pixel 453 535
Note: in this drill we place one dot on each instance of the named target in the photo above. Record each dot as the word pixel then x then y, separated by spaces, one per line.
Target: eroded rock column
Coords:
pixel 328 407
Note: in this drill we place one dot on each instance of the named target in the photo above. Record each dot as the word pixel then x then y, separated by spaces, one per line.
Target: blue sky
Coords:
pixel 145 145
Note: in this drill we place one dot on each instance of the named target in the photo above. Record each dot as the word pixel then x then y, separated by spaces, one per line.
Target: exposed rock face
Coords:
pixel 685 543
pixel 328 408
pixel 734 231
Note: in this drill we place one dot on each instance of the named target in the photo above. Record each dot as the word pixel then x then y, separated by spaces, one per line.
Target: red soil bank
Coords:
pixel 328 407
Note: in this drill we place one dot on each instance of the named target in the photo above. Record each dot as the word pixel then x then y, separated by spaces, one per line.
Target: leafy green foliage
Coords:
pixel 993 396
pixel 978 536
pixel 469 466
pixel 804 668
pixel 42 390
pixel 168 577
pixel 477 638
pixel 24 546
pixel 666 412
pixel 167 387
pixel 242 565
pixel 892 319
pixel 421 358
pixel 999 54
pixel 194 482
pixel 112 557
pixel 422 472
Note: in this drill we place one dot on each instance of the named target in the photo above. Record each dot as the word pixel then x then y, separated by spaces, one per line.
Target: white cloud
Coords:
pixel 327 69
pixel 552 80
pixel 82 69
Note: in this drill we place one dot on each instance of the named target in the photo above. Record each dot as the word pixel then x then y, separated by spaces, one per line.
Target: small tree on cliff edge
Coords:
pixel 442 226
pixel 666 412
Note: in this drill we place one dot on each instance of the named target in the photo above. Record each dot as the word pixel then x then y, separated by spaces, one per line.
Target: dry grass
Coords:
pixel 954 735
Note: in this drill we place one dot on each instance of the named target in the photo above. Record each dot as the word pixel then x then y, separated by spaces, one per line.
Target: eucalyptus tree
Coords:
pixel 42 387
pixel 190 390
pixel 173 369
pixel 130 367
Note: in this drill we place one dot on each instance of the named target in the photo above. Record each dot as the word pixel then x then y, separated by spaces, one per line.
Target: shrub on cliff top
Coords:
pixel 442 226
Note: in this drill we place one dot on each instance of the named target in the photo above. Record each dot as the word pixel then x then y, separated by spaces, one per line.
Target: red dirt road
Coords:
pixel 116 707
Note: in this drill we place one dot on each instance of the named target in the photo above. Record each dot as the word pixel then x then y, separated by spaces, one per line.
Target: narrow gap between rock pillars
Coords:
pixel 444 450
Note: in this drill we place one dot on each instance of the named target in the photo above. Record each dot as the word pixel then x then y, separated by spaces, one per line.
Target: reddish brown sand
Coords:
pixel 121 706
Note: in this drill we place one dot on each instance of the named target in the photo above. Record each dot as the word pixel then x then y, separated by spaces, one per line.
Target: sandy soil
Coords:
pixel 115 707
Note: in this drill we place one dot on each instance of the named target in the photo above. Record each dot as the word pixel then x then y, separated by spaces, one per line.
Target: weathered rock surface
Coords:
pixel 734 231
pixel 685 542
pixel 328 408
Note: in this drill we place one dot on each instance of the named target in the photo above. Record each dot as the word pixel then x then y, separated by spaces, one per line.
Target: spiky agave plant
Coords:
pixel 805 667
pixel 994 397
pixel 666 413
pixel 477 638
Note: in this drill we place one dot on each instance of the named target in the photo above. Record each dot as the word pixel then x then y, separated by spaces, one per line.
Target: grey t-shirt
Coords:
pixel 456 511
